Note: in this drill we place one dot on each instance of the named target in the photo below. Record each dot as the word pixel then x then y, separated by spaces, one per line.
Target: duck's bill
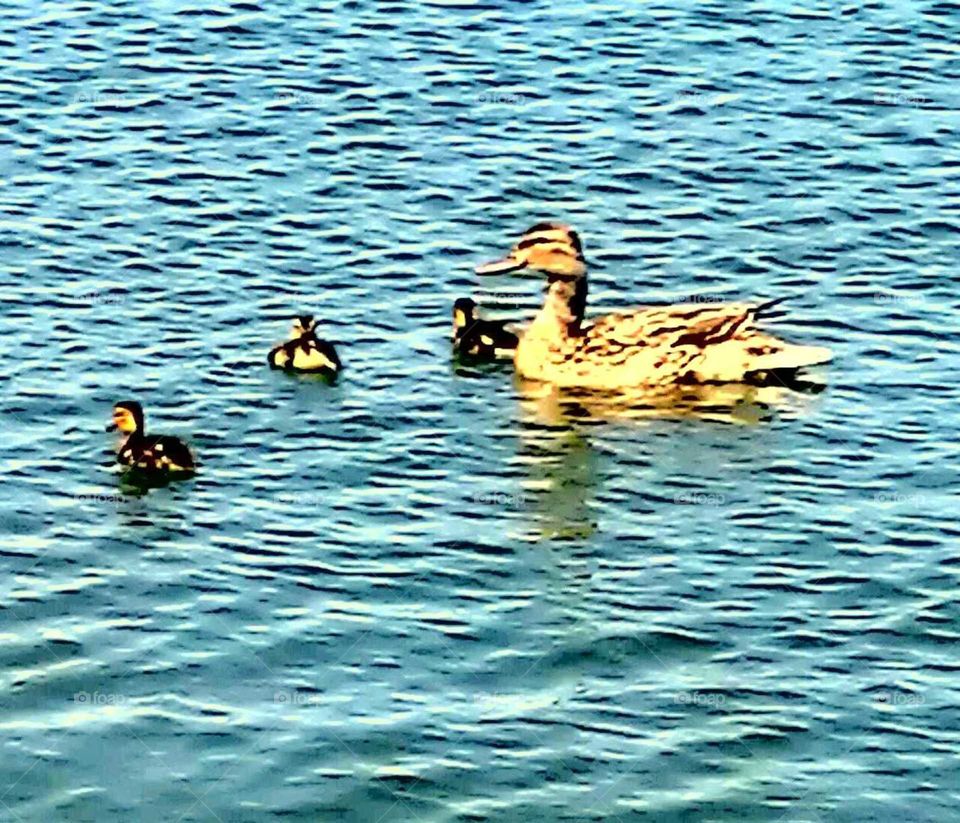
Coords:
pixel 111 426
pixel 504 266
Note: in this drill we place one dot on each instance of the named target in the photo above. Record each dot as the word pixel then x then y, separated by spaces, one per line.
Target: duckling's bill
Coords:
pixel 505 265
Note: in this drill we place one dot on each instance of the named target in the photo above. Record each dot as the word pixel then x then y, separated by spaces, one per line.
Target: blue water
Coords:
pixel 425 594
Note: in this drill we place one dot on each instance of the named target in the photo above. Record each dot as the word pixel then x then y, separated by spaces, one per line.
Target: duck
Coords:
pixel 477 338
pixel 651 346
pixel 305 352
pixel 156 454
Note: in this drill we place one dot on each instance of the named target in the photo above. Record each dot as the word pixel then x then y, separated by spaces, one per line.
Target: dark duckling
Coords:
pixel 157 454
pixel 477 338
pixel 305 352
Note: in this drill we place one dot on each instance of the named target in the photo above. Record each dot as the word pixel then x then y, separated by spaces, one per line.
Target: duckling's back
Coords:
pixel 306 353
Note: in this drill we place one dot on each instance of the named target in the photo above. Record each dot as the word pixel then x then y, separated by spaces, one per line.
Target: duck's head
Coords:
pixel 553 248
pixel 304 324
pixel 127 417
pixel 464 313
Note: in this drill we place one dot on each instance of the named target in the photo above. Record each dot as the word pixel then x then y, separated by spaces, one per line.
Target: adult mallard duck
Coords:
pixel 305 352
pixel 159 454
pixel 653 346
pixel 477 338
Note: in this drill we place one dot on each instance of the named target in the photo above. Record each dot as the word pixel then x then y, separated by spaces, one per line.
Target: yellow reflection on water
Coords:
pixel 561 466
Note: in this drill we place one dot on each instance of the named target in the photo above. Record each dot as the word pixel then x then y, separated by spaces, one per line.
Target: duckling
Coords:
pixel 305 352
pixel 477 338
pixel 654 346
pixel 159 453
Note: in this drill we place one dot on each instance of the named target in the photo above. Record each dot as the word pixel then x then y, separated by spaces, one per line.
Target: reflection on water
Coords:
pixel 738 403
pixel 561 476
pixel 561 467
pixel 138 483
pixel 684 618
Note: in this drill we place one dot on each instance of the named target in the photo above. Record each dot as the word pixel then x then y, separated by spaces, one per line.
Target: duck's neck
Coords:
pixel 563 311
pixel 134 437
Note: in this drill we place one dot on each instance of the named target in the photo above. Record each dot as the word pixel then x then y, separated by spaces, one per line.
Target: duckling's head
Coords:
pixel 553 248
pixel 127 417
pixel 464 313
pixel 304 324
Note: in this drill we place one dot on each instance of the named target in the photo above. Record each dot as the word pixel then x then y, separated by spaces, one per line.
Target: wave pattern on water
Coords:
pixel 424 594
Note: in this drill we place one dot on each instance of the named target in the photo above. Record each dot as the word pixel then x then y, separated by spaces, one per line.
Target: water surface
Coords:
pixel 424 594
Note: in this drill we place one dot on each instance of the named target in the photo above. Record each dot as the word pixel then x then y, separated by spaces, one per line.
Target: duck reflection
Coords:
pixel 561 478
pixel 562 467
pixel 737 403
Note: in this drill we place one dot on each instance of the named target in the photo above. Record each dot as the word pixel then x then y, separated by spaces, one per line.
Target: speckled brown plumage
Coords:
pixel 651 346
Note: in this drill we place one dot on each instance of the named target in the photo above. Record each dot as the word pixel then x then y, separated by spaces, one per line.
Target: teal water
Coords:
pixel 423 594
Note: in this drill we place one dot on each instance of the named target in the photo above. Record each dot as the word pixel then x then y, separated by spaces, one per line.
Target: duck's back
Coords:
pixel 306 353
pixel 487 339
pixel 157 453
pixel 310 354
pixel 673 325
pixel 662 345
pixel 172 452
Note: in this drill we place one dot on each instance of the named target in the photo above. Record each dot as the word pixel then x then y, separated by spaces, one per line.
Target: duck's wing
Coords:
pixel 476 341
pixel 315 355
pixel 709 342
pixel 329 352
pixel 495 333
pixel 280 356
pixel 171 453
pixel 682 325
pixel 505 339
pixel 487 340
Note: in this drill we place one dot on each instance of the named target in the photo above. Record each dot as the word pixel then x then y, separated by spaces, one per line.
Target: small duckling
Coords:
pixel 480 339
pixel 160 454
pixel 305 352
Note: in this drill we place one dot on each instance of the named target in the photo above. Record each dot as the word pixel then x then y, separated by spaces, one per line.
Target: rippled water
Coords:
pixel 423 593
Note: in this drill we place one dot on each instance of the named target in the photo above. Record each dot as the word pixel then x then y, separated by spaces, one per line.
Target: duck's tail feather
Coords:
pixel 763 308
